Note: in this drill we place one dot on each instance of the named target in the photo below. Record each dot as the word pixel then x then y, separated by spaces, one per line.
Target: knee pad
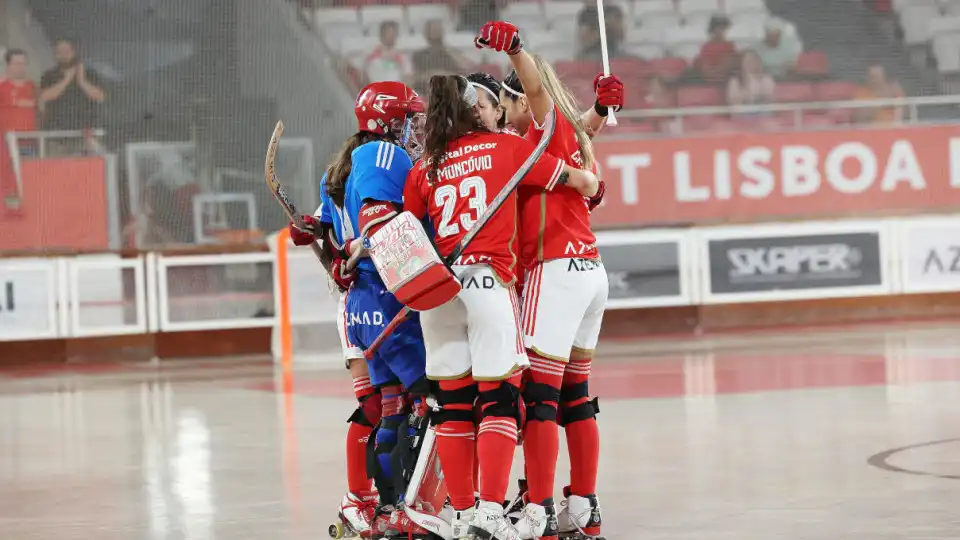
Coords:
pixel 395 400
pixel 541 401
pixel 503 401
pixel 368 412
pixel 456 405
pixel 577 404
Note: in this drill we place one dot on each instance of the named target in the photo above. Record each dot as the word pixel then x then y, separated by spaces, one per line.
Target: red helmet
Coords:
pixel 382 107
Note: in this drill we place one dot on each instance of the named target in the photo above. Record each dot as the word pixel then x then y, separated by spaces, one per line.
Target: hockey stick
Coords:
pixel 270 171
pixel 611 118
pixel 495 204
pixel 279 193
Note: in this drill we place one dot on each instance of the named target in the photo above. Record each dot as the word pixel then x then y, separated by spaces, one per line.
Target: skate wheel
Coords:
pixel 336 531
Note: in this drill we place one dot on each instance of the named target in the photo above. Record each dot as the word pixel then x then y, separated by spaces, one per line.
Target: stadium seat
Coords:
pixel 943 25
pixel 813 64
pixel 576 69
pixel 642 7
pixel 733 6
pixel 688 7
pixel 700 19
pixel 410 43
pixel 699 96
pixel 704 123
pixel 357 46
pixel 914 20
pixel 528 16
pixel 371 16
pixel 493 69
pixel 332 16
pixel 688 50
pixel 662 19
pixel 418 14
pixel 794 93
pixel 818 120
pixel 684 34
pixel 635 68
pixel 946 49
pixel 835 91
pixel 669 68
pixel 563 10
pixel 649 51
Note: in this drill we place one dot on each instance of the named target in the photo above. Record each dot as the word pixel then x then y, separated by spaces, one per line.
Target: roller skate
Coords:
pixel 355 515
pixel 515 508
pixel 538 521
pixel 580 517
pixel 489 523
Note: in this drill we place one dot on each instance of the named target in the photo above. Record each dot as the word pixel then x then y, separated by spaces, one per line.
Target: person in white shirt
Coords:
pixel 385 62
pixel 780 48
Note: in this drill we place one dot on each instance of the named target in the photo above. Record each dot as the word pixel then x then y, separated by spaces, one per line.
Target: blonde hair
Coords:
pixel 567 105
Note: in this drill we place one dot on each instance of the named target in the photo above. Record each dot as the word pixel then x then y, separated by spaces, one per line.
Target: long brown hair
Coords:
pixel 339 168
pixel 449 117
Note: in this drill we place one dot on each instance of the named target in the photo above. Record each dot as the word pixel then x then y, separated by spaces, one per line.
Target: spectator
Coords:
pixel 588 23
pixel 878 86
pixel 718 56
pixel 436 58
pixel 71 92
pixel 386 63
pixel 779 49
pixel 751 86
pixel 475 13
pixel 18 95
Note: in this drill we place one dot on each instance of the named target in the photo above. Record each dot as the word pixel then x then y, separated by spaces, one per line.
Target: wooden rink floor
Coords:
pixel 814 434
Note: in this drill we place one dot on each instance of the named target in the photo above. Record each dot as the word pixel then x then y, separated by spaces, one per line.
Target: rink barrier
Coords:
pixel 108 295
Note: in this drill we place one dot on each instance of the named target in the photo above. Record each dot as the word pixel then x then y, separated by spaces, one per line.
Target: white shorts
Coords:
pixel 563 303
pixel 350 351
pixel 478 331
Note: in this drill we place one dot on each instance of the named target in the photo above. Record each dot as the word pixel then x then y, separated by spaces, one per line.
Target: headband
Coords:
pixel 511 90
pixel 496 98
pixel 469 93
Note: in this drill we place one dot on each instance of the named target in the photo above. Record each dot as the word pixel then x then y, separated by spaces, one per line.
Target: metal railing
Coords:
pixel 910 104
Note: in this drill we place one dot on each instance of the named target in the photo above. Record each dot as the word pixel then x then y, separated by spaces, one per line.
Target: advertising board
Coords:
pixel 645 269
pixel 753 176
pixel 28 300
pixel 787 262
pixel 930 255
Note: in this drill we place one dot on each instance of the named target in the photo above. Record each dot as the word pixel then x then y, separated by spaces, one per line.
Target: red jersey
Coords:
pixel 18 106
pixel 555 225
pixel 471 174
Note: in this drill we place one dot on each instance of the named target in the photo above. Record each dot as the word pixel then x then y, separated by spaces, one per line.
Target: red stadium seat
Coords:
pixel 818 120
pixel 632 68
pixel 794 93
pixel 670 68
pixel 813 64
pixel 699 96
pixel 702 123
pixel 575 69
pixel 493 69
pixel 836 91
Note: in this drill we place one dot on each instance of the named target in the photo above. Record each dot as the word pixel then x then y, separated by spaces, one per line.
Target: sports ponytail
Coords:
pixel 339 168
pixel 564 100
pixel 449 117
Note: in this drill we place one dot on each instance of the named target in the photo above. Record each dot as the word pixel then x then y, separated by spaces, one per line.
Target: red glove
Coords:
pixel 309 234
pixel 500 36
pixel 609 91
pixel 597 198
pixel 341 276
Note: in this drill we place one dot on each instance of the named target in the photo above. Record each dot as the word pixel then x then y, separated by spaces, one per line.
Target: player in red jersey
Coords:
pixel 564 298
pixel 474 345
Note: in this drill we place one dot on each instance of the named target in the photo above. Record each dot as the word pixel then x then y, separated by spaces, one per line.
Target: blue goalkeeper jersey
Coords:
pixel 378 172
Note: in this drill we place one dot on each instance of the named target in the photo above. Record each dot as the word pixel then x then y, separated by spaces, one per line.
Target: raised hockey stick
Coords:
pixel 494 206
pixel 605 56
pixel 290 209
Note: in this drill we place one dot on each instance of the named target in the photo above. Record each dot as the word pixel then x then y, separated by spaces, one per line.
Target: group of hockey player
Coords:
pixel 511 352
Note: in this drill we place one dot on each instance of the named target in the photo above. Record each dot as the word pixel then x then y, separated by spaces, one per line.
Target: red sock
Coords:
pixel 496 443
pixel 357 435
pixel 541 442
pixel 583 437
pixel 476 463
pixel 456 445
pixel 357 480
